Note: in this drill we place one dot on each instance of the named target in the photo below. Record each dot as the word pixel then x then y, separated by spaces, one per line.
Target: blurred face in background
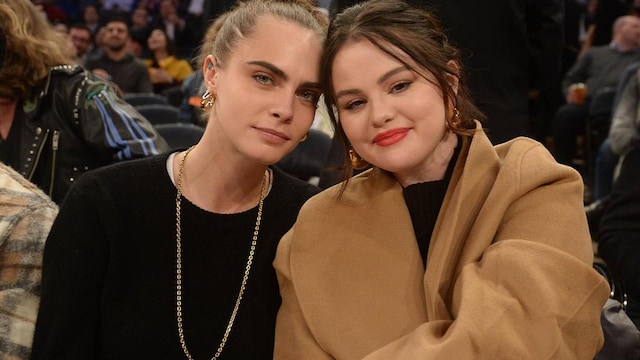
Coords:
pixel 90 15
pixel 139 18
pixel 116 36
pixel 157 40
pixel 81 40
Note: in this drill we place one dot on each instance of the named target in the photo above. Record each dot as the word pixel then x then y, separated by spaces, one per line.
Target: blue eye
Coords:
pixel 263 79
pixel 309 95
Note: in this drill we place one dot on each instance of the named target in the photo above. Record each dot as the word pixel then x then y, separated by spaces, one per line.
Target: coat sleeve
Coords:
pixel 533 293
pixel 22 239
pixel 293 338
pixel 74 267
pixel 494 319
pixel 113 127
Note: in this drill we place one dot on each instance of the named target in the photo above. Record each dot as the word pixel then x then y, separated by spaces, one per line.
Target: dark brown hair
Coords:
pixel 395 27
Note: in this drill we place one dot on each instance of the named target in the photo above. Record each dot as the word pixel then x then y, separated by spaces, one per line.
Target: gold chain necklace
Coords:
pixel 247 268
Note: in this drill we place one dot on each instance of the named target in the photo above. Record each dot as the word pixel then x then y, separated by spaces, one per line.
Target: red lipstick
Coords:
pixel 390 137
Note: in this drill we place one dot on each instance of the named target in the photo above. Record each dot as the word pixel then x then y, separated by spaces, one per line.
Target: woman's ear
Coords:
pixel 452 79
pixel 209 71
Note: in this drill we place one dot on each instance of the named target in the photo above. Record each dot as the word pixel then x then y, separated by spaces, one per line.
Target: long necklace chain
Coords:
pixel 247 268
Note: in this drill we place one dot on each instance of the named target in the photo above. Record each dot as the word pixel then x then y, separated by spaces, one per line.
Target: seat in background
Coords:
pixel 180 135
pixel 159 113
pixel 137 99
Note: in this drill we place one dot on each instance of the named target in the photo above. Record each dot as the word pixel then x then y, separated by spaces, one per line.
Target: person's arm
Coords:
pixel 578 73
pixel 113 127
pixel 25 220
pixel 74 266
pixel 144 82
pixel 625 117
pixel 293 337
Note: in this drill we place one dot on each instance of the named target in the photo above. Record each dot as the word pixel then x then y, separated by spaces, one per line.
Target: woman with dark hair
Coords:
pixel 449 247
pixel 166 70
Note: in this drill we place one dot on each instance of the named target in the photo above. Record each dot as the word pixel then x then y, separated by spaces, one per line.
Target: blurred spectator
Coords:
pixel 625 121
pixel 176 27
pixel 117 64
pixel 152 5
pixel 166 70
pixel 54 13
pixel 80 37
pixel 26 215
pixel 598 68
pixel 58 121
pixel 91 18
pixel 619 235
pixel 137 44
pixel 61 27
pixel 99 43
pixel 118 6
pixel 604 14
pixel 140 20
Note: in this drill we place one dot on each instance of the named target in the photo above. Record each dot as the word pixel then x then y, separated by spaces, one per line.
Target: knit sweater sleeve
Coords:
pixel 74 267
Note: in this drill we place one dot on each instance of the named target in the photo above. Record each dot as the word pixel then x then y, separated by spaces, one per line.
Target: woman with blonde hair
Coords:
pixel 170 257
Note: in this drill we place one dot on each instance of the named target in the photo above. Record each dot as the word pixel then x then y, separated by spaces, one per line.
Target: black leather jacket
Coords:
pixel 76 122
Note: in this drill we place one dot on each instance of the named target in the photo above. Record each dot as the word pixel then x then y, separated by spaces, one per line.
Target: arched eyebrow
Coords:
pixel 281 74
pixel 392 72
pixel 380 81
pixel 274 69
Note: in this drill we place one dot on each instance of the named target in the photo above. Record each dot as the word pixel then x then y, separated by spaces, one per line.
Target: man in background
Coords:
pixel 119 65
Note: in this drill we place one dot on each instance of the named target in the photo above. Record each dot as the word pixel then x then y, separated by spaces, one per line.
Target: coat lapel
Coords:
pixel 479 163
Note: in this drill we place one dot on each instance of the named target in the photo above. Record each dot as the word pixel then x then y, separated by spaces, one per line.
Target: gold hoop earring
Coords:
pixel 207 100
pixel 453 123
pixel 357 162
pixel 305 137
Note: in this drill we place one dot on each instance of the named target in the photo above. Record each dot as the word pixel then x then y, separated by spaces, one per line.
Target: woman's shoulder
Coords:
pixel 529 163
pixel 128 173
pixel 524 149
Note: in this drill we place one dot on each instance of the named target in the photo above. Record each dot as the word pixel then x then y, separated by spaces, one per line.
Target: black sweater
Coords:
pixel 109 271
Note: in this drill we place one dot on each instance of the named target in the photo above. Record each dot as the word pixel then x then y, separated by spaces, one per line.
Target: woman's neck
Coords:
pixel 435 167
pixel 217 184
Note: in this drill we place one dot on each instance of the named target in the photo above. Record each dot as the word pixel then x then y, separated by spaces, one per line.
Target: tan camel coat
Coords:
pixel 509 270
